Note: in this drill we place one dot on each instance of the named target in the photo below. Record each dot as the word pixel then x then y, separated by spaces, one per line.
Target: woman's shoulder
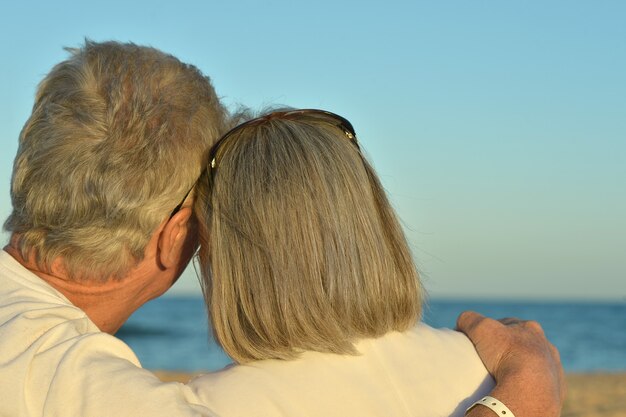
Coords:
pixel 275 388
pixel 439 364
pixel 230 391
pixel 425 334
pixel 424 345
pixel 397 370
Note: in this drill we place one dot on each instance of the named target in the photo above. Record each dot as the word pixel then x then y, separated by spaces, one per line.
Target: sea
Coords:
pixel 171 333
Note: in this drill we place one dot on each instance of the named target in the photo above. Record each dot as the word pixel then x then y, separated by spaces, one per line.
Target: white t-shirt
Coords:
pixel 54 361
pixel 420 372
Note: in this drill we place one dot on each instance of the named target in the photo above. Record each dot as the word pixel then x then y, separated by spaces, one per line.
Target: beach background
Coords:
pixel 498 129
pixel 589 394
pixel 171 335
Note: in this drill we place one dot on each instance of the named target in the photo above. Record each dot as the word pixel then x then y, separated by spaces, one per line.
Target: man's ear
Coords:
pixel 173 238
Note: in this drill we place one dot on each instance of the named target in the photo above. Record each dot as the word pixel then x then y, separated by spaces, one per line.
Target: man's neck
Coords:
pixel 107 302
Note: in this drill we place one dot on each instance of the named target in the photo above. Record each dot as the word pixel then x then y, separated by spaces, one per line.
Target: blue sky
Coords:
pixel 498 128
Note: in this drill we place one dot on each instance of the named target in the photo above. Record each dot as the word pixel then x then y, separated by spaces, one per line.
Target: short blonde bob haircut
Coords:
pixel 300 249
pixel 118 134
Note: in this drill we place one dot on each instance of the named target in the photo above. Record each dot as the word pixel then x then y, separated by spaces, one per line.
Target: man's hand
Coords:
pixel 526 366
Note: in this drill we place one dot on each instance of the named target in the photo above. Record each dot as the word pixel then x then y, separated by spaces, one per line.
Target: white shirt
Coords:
pixel 54 361
pixel 421 372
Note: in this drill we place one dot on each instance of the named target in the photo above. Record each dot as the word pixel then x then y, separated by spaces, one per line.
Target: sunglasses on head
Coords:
pixel 323 115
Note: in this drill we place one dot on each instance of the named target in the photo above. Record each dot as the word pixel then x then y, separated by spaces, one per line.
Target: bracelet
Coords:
pixel 495 405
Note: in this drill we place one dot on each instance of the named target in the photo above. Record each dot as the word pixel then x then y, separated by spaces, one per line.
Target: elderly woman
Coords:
pixel 311 286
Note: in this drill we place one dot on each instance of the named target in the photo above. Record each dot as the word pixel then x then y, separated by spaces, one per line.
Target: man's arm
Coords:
pixel 525 365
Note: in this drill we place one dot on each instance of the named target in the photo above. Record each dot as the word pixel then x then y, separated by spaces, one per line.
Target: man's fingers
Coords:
pixel 526 324
pixel 476 326
pixel 555 352
pixel 534 326
pixel 468 320
pixel 511 346
pixel 508 321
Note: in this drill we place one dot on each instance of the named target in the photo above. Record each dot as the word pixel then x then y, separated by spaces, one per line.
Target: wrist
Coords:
pixel 495 405
pixel 529 393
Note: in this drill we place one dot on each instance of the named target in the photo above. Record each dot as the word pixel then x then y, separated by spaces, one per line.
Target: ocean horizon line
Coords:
pixel 497 299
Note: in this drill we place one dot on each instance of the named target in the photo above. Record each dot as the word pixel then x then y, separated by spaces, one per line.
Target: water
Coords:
pixel 172 332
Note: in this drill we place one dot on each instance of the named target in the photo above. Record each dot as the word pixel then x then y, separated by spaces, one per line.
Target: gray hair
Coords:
pixel 118 134
pixel 300 248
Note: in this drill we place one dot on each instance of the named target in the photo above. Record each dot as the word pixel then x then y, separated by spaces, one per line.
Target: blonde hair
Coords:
pixel 300 249
pixel 118 133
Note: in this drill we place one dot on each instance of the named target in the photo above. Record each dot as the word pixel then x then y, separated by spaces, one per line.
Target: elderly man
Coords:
pixel 117 137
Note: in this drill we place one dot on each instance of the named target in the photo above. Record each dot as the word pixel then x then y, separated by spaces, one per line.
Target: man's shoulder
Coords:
pixel 35 319
pixel 40 328
pixel 53 357
pixel 30 306
pixel 19 284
